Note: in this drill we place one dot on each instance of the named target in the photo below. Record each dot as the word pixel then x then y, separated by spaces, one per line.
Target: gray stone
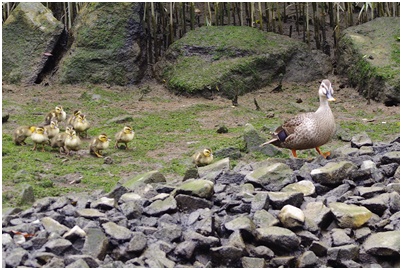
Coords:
pixel 52 225
pixel 362 233
pixel 377 204
pixel 213 170
pixel 160 207
pixel 249 262
pixel 317 215
pixel 156 258
pixel 291 216
pixel 280 199
pixel 368 192
pixel 339 254
pixel 260 201
pixel 243 223
pixel 89 213
pixel 383 244
pixel 80 263
pixel 131 208
pixel 96 243
pixel 306 187
pixel 254 140
pixel 197 187
pixel 88 260
pixel 201 240
pixel 307 259
pixel 188 203
pixel 283 262
pixel 340 238
pixel 75 232
pixel 319 248
pixel 278 238
pixel 391 157
pixel 145 178
pixel 57 246
pixel 226 254
pixel 333 173
pixel 261 252
pixel 236 240
pixel 104 203
pixel 16 257
pixel 168 232
pixel 30 30
pixel 185 249
pixel 350 216
pixel 27 195
pixel 360 140
pixel 262 218
pixel 273 177
pixel 230 152
pixel 117 232
pixel 137 243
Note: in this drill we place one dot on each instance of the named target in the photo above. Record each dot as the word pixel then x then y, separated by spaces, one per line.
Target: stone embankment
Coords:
pixel 340 212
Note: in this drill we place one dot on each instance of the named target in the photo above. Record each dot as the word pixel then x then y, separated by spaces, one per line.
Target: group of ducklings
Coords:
pixel 76 126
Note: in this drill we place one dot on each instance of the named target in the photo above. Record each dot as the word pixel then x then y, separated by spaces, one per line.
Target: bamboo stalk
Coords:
pixel 260 14
pixel 252 20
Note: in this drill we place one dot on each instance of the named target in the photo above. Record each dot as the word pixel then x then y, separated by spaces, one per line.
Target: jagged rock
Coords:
pixel 131 208
pixel 317 215
pixel 57 246
pixel 261 252
pixel 280 199
pixel 190 203
pixel 319 248
pixel 262 218
pixel 75 232
pixel 52 225
pixel 306 187
pixel 80 263
pixel 260 201
pixel 350 216
pixel 383 244
pixel 278 238
pixel 30 30
pixel 88 260
pixel 203 241
pixel 191 173
pixel 391 157
pixel 117 232
pixel 96 243
pixel 160 207
pixel 168 232
pixel 377 204
pixel 273 177
pixel 307 260
pixel 333 173
pixel 360 140
pixel 340 238
pixel 16 257
pixel 197 187
pixel 291 217
pixel 249 262
pixel 146 178
pixel 137 243
pixel 338 255
pixel 90 213
pixel 230 152
pixel 156 258
pixel 243 223
pixel 213 170
pixel 226 254
pixel 185 249
pixel 27 195
pixel 283 262
pixel 253 142
pixel 104 203
pixel 369 192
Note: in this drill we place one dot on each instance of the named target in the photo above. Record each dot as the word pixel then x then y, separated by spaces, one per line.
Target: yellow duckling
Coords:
pixel 59 139
pixel 124 136
pixel 72 118
pixel 58 113
pixel 81 124
pixel 21 133
pixel 203 157
pixel 98 144
pixel 52 129
pixel 39 136
pixel 72 142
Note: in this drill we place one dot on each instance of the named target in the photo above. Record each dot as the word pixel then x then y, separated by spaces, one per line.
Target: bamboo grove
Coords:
pixel 165 22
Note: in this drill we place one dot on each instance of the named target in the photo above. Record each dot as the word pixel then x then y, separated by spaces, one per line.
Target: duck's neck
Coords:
pixel 324 106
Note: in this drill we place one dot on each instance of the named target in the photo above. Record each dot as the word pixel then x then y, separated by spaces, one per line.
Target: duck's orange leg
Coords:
pixel 294 153
pixel 325 155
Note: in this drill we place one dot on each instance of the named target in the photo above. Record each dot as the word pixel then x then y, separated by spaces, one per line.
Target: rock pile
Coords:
pixel 340 212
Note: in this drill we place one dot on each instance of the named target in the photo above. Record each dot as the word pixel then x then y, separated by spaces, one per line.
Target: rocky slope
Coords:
pixel 340 212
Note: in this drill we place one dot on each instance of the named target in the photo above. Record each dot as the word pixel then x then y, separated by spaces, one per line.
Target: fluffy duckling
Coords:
pixel 72 118
pixel 59 139
pixel 72 142
pixel 81 124
pixel 58 113
pixel 52 129
pixel 203 157
pixel 98 144
pixel 21 133
pixel 124 136
pixel 39 136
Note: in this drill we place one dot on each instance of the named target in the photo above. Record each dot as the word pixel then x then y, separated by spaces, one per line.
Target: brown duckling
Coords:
pixel 81 124
pixel 124 136
pixel 58 113
pixel 72 118
pixel 52 129
pixel 203 157
pixel 39 136
pixel 59 139
pixel 72 142
pixel 98 144
pixel 21 133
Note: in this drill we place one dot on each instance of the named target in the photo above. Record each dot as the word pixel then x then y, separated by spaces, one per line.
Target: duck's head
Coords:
pixel 59 109
pixel 77 112
pixel 72 133
pixel 128 130
pixel 69 128
pixel 81 117
pixel 54 124
pixel 326 90
pixel 103 138
pixel 207 152
pixel 40 130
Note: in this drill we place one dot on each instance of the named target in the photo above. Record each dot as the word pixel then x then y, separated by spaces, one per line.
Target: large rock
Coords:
pixel 333 173
pixel 383 244
pixel 349 215
pixel 106 48
pixel 28 33
pixel 278 238
pixel 369 56
pixel 273 177
pixel 233 60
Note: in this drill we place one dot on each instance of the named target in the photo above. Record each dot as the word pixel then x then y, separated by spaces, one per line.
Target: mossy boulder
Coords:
pixel 233 60
pixel 30 34
pixel 108 45
pixel 369 55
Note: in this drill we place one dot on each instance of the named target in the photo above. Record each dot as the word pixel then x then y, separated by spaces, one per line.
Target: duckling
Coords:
pixel 52 129
pixel 59 139
pixel 98 144
pixel 71 119
pixel 21 133
pixel 58 113
pixel 81 124
pixel 39 136
pixel 203 157
pixel 124 136
pixel 72 142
